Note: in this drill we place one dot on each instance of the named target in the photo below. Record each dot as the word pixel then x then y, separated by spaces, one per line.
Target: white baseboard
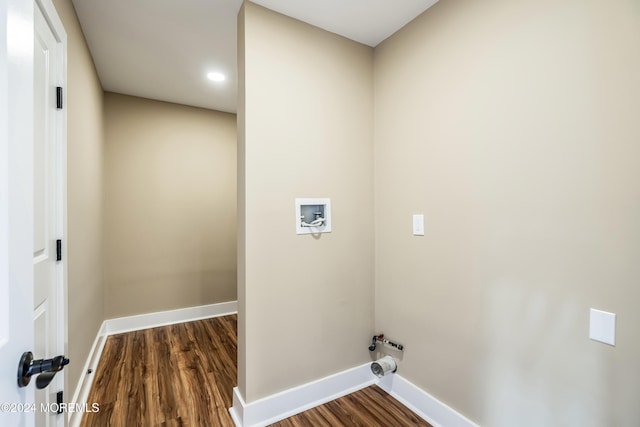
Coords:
pixel 83 387
pixel 163 318
pixel 135 323
pixel 282 405
pixel 422 403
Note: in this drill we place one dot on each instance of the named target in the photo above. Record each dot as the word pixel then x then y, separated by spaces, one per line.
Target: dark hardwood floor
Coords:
pixel 177 375
pixel 184 374
pixel 369 407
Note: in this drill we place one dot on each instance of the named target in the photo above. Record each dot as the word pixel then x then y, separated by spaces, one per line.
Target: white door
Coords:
pixel 32 179
pixel 47 212
pixel 16 206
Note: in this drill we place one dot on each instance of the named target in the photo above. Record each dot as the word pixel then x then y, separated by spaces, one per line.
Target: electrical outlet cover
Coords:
pixel 602 326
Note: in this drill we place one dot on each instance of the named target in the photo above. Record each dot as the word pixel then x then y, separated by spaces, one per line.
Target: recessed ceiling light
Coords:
pixel 216 77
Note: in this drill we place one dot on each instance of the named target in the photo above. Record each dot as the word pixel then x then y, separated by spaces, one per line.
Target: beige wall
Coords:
pixel 242 359
pixel 308 123
pixel 84 195
pixel 170 206
pixel 513 127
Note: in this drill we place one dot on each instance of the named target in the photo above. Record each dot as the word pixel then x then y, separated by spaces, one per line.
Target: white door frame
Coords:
pixel 50 14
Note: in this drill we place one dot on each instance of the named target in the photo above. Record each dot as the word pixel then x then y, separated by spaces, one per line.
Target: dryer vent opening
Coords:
pixel 382 367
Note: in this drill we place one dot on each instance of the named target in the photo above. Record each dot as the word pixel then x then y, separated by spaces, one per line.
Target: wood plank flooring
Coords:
pixel 369 407
pixel 177 375
pixel 184 374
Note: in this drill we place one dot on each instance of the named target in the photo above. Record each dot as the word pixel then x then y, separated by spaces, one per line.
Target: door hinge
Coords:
pixel 59 98
pixel 60 400
pixel 58 250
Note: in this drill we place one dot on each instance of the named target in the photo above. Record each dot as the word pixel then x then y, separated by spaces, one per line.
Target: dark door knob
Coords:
pixel 46 369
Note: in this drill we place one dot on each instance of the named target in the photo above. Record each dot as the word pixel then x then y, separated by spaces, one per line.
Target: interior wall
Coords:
pixel 308 132
pixel 240 122
pixel 83 97
pixel 170 206
pixel 513 127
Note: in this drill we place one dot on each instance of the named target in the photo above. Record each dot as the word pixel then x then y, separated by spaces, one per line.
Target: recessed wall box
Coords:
pixel 313 216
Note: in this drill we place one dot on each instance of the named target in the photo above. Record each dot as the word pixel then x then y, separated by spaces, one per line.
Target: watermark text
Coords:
pixel 49 408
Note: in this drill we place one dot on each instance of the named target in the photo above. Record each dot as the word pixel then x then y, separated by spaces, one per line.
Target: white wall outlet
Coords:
pixel 418 225
pixel 602 326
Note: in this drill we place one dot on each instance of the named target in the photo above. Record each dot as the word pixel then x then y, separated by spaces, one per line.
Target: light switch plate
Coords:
pixel 602 326
pixel 418 225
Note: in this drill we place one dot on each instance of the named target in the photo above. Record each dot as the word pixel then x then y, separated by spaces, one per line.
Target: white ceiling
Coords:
pixel 163 49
